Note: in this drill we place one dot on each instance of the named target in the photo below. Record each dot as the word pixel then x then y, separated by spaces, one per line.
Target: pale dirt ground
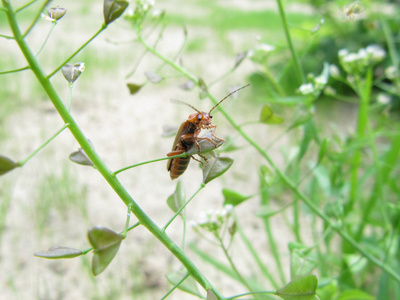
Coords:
pixel 125 130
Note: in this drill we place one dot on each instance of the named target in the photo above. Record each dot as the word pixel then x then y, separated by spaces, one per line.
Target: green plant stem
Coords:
pixel 306 200
pixel 297 66
pixel 23 162
pixel 364 91
pixel 15 70
pixel 148 162
pixel 103 26
pixel 53 24
pixel 238 274
pixel 202 185
pixel 95 158
pixel 37 17
pixel 25 6
pixel 7 37
pixel 175 286
pixel 254 253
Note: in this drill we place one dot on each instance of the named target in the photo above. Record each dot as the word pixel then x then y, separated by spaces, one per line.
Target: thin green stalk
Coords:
pixel 37 17
pixel 148 162
pixel 233 266
pixel 8 37
pixel 254 253
pixel 364 91
pixel 392 49
pixel 104 26
pixel 23 162
pixel 297 66
pixel 15 70
pixel 95 158
pixel 202 185
pixel 175 286
pixel 53 24
pixel 25 6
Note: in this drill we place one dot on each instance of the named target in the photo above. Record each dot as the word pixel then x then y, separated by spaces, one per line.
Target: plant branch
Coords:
pixel 93 155
pixel 104 26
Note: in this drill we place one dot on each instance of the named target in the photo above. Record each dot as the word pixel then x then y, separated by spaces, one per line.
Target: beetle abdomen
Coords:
pixel 178 166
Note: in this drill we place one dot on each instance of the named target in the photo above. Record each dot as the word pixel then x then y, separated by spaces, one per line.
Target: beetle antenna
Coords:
pixel 237 90
pixel 182 102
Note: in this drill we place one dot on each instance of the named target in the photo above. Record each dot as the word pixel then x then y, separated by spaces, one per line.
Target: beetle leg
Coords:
pixel 175 152
pixel 202 164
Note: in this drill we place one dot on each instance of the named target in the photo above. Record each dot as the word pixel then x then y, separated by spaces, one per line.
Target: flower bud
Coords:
pixel 71 72
pixel 56 13
pixel 113 9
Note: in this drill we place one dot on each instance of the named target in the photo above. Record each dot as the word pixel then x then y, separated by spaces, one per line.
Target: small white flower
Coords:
pixel 377 53
pixel 391 72
pixel 193 223
pixel 362 53
pixel 334 71
pixel 383 98
pixel 203 218
pixel 321 80
pixel 228 208
pixel 47 18
pixel 265 47
pixel 343 52
pixel 306 88
pixel 351 57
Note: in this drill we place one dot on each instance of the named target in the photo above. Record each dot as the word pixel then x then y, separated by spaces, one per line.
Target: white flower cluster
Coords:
pixel 357 62
pixel 213 220
pixel 260 53
pixel 315 83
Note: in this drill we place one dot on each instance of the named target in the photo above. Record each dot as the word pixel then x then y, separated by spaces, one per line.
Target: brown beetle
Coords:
pixel 188 135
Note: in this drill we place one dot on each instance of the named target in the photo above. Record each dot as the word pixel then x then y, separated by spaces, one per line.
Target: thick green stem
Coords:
pixel 95 158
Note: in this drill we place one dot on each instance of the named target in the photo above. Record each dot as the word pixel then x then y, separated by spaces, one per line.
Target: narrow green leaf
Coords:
pixel 7 164
pixel 58 252
pixel 215 167
pixel 233 197
pixel 300 261
pixel 300 288
pixel 113 9
pixel 203 88
pixel 189 285
pixel 79 157
pixel 355 295
pixel 323 149
pixel 177 199
pixel 106 244
pixel 133 88
pixel 300 119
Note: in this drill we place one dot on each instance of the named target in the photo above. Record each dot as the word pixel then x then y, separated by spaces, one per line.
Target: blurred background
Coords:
pixel 52 201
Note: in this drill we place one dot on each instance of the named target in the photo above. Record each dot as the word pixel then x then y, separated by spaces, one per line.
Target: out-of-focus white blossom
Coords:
pixel 306 88
pixel 383 98
pixel 391 72
pixel 357 62
pixel 334 71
